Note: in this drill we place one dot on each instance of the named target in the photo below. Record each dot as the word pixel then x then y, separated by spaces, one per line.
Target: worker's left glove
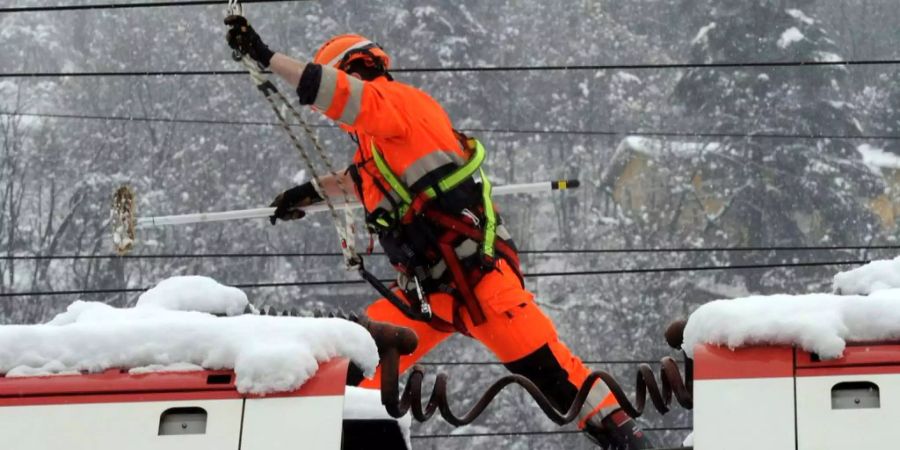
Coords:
pixel 243 39
pixel 288 204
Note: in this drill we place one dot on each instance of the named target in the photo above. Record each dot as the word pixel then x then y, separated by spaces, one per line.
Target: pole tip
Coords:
pixel 562 185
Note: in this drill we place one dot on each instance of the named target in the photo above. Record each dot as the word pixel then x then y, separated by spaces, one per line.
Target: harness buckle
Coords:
pixel 471 216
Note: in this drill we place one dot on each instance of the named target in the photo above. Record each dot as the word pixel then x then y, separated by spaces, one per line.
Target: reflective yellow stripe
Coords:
pixel 561 184
pixel 389 176
pixel 459 175
pixel 490 226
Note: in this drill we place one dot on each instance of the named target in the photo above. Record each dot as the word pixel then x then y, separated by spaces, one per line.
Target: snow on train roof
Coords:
pixel 864 307
pixel 161 333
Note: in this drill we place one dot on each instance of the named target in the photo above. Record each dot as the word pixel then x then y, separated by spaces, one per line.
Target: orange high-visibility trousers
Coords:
pixel 516 330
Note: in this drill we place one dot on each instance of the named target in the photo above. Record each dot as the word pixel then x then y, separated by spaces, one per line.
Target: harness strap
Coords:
pixel 423 315
pixel 414 205
pixel 452 223
pixel 462 282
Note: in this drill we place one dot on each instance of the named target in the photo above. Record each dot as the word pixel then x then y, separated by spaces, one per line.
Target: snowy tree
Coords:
pixel 890 118
pixel 795 174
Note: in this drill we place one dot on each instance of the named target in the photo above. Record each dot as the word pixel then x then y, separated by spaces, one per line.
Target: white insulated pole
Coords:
pixel 255 213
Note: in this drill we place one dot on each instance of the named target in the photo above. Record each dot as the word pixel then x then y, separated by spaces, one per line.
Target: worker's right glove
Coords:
pixel 243 39
pixel 288 204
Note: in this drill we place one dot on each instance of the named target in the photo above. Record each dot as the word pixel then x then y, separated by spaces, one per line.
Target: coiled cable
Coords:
pixel 661 395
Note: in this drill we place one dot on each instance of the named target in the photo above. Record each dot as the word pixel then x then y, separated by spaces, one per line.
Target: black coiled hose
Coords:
pixel 661 395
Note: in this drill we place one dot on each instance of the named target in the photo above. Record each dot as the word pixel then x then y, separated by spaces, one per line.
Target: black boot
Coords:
pixel 617 431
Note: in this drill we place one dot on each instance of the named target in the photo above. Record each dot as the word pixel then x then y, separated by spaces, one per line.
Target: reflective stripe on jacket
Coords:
pixel 409 128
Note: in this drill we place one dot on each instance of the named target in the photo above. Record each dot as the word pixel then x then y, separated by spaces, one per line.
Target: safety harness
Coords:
pixel 453 225
pixel 414 204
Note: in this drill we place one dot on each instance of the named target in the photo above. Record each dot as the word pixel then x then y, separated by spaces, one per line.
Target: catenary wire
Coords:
pixel 498 363
pixel 547 68
pixel 161 4
pixel 523 252
pixel 598 251
pixel 651 133
pixel 527 275
pixel 530 433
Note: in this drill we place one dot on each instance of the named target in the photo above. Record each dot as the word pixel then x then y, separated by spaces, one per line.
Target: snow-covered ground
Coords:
pixel 268 354
pixel 820 323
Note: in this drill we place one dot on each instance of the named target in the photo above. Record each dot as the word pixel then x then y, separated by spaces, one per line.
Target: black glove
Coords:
pixel 244 40
pixel 288 203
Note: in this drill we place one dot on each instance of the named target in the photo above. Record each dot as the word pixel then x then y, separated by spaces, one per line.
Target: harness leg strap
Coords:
pixel 462 283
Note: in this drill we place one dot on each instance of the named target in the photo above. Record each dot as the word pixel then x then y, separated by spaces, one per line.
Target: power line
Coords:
pixel 122 74
pixel 650 133
pixel 716 65
pixel 152 119
pixel 548 68
pixel 133 5
pixel 497 363
pixel 527 275
pixel 599 251
pixel 694 134
pixel 692 269
pixel 529 433
pixel 128 290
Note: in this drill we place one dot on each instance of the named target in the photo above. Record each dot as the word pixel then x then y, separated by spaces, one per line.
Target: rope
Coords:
pixel 131 5
pixel 549 68
pixel 527 275
pixel 348 246
pixel 651 133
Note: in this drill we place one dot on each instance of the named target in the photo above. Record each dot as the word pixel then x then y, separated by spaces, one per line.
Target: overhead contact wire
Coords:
pixel 527 275
pixel 162 4
pixel 650 133
pixel 548 68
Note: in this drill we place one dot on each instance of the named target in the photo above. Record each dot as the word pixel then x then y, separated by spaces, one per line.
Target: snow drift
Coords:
pixel 268 354
pixel 195 293
pixel 873 277
pixel 819 323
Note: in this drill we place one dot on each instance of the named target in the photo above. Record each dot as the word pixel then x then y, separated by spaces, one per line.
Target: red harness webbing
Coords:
pixel 464 284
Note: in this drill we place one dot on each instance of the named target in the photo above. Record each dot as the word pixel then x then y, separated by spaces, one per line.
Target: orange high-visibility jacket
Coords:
pixel 409 128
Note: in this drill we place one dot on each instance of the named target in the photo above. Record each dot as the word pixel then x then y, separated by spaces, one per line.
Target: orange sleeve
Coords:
pixel 359 104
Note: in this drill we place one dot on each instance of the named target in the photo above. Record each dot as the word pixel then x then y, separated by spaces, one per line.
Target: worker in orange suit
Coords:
pixel 429 203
